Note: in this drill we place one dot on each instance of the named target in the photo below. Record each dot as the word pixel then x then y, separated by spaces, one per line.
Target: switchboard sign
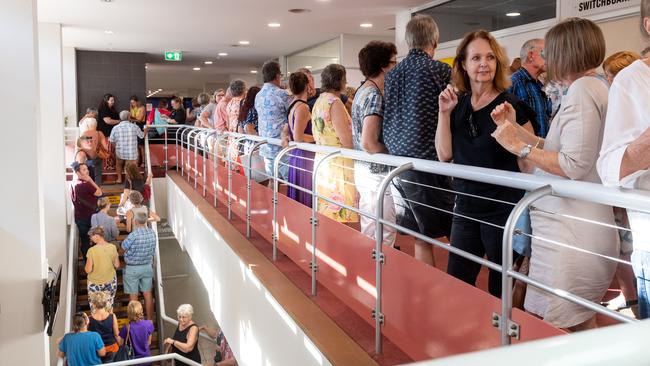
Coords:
pixel 586 8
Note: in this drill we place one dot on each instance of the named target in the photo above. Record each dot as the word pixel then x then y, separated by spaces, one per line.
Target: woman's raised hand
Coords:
pixel 506 136
pixel 447 99
pixel 502 113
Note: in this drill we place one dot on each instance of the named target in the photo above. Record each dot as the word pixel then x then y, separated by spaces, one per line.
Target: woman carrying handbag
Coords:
pixel 136 334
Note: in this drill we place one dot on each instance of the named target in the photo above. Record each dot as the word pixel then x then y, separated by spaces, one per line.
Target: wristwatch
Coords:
pixel 525 151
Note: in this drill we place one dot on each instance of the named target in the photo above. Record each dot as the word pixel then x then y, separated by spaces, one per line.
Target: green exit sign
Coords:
pixel 173 56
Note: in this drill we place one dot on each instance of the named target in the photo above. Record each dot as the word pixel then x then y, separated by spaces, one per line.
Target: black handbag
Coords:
pixel 125 352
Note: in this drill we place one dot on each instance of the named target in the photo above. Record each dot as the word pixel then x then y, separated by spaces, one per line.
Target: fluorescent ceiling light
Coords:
pixel 196 68
pixel 208 62
pixel 274 25
pixel 253 71
pixel 108 31
pixel 223 54
pixel 513 14
pixel 335 59
pixel 307 66
pixel 365 25
pixel 244 43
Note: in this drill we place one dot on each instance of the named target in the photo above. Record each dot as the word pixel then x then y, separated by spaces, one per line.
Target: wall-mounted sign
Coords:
pixel 173 55
pixel 586 8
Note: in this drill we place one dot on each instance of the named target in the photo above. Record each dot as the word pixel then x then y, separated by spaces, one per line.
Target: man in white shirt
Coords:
pixel 625 155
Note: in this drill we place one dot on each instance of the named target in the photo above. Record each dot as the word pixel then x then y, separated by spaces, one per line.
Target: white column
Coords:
pixel 401 20
pixel 70 86
pixel 52 172
pixel 22 245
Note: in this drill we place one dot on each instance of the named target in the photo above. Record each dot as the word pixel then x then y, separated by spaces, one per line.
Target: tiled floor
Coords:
pixel 182 285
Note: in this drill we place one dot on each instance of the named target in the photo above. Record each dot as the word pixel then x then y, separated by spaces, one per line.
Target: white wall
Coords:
pixel 351 44
pixel 22 337
pixel 250 79
pixel 70 86
pixel 259 331
pixel 52 172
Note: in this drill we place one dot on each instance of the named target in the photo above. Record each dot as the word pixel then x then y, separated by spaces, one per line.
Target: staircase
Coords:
pixel 121 299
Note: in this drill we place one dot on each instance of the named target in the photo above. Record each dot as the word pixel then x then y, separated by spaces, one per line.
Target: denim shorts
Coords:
pixel 138 278
pixel 283 168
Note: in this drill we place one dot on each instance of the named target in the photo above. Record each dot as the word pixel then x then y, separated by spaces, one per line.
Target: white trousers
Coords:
pixel 367 185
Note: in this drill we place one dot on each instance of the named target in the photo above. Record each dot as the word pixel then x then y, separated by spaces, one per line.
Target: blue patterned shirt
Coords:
pixel 125 137
pixel 140 246
pixel 530 91
pixel 411 93
pixel 272 105
pixel 251 119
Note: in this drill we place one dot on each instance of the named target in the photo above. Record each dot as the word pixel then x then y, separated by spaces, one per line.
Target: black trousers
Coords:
pixel 83 226
pixel 481 240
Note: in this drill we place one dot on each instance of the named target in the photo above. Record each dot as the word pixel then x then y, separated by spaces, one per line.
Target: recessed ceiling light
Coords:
pixel 108 31
pixel 513 14
pixel 223 54
pixel 307 66
pixel 335 59
pixel 274 25
pixel 159 89
pixel 365 25
pixel 196 68
pixel 253 71
pixel 208 62
pixel 244 43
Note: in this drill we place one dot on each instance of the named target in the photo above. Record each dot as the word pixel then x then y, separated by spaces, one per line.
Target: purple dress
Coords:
pixel 301 165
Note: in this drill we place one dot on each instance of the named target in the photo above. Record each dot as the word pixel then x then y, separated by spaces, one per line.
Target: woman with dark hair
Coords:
pixel 301 162
pixel 107 115
pixel 81 347
pixel 480 76
pixel 248 113
pixel 135 182
pixel 332 126
pixel 375 60
pixel 84 193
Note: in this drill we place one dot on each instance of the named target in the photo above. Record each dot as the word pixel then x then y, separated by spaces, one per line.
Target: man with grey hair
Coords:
pixel 125 138
pixel 139 250
pixel 411 92
pixel 527 87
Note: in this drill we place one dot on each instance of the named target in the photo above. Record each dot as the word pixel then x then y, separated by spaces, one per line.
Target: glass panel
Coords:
pixel 317 57
pixel 458 17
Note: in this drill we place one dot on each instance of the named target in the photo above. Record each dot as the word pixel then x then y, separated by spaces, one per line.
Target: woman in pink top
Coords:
pixel 238 91
pixel 90 141
pixel 221 112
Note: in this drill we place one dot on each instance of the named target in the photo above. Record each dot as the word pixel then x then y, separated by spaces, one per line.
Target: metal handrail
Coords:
pixel 169 356
pixel 71 275
pixel 591 192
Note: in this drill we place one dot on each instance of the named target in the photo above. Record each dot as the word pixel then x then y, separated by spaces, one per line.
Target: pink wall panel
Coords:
pixel 427 313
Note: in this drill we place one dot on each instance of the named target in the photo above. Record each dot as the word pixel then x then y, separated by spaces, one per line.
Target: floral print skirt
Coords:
pixel 335 180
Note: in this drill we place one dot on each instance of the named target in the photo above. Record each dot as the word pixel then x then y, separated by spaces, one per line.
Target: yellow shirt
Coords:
pixel 103 257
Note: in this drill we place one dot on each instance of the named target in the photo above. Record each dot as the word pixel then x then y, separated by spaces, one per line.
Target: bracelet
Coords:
pixel 539 139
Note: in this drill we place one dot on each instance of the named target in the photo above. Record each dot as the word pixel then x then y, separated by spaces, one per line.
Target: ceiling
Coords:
pixel 203 28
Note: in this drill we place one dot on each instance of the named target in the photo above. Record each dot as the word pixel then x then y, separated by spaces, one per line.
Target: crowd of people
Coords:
pixel 548 115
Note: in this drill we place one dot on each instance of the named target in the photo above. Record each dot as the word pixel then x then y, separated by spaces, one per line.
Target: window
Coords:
pixel 458 17
pixel 317 57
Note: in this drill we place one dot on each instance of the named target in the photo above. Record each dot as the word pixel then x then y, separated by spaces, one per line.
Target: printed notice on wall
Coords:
pixel 586 8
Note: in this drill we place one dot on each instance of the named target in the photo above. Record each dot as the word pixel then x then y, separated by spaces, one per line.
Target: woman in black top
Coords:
pixel 186 337
pixel 464 136
pixel 107 115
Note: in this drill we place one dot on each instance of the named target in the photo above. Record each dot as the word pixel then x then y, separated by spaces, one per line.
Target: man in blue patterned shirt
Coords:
pixel 527 87
pixel 411 92
pixel 272 105
pixel 139 250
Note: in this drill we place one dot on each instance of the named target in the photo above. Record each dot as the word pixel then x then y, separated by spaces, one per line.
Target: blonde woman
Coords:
pixel 101 262
pixel 139 330
pixel 104 322
pixel 136 200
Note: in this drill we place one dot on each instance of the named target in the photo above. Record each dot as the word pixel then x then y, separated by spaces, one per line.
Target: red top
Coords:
pixel 83 200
